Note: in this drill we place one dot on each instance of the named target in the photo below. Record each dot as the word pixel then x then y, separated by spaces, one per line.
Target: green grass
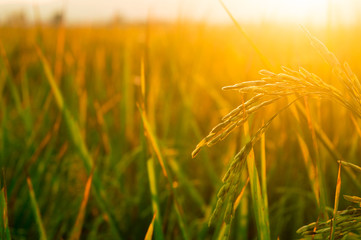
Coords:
pixel 129 103
pixel 5 229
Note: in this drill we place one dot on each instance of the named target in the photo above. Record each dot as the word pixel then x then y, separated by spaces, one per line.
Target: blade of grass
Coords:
pixel 263 174
pixel 153 141
pixel 156 148
pixel 9 76
pixel 76 231
pixel 329 146
pixel 5 229
pixel 353 166
pixel 128 102
pixel 243 211
pixel 182 225
pixel 149 234
pixel 36 211
pixel 79 143
pixel 155 199
pixel 156 224
pixel 311 172
pixel 257 200
pixel 262 221
pixel 337 199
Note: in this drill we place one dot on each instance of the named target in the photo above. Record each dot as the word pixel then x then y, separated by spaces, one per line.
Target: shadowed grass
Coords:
pixel 36 211
pixel 337 199
pixel 151 172
pixel 4 222
pixel 149 234
pixel 79 143
pixel 98 74
pixel 267 90
pixel 77 228
pixel 155 199
pixel 258 200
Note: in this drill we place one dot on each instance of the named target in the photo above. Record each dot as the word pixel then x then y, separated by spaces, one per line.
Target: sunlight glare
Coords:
pixel 296 11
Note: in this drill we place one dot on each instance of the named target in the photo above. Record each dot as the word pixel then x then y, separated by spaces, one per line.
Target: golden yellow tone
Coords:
pixel 103 131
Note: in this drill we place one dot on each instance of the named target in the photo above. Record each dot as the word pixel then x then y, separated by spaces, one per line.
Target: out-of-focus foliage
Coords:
pixel 98 72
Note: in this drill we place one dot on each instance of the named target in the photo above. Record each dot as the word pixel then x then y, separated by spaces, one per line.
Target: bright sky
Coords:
pixel 298 11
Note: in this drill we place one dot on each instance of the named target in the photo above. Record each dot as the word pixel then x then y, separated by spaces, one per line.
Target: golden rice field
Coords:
pixel 98 125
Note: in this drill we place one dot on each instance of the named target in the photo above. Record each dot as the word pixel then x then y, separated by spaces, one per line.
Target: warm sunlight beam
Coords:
pixel 283 11
pixel 295 11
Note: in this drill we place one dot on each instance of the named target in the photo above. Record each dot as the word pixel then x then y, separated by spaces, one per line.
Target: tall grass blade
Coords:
pixel 337 199
pixel 258 202
pixel 257 199
pixel 153 141
pixel 182 225
pixel 36 211
pixel 79 143
pixel 239 198
pixel 336 155
pixel 77 228
pixel 155 199
pixel 5 229
pixel 311 171
pixel 351 165
pixel 158 153
pixel 149 234
pixel 264 177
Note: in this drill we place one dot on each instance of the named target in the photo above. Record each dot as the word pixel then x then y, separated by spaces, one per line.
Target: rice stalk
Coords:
pixel 4 221
pixel 228 193
pixel 77 228
pixel 149 234
pixel 152 179
pixel 79 143
pixel 36 210
pixel 353 166
pixel 345 222
pixel 319 176
pixel 259 206
pixel 337 199
pixel 311 169
pixel 155 199
pixel 264 177
pixel 327 143
pixel 265 91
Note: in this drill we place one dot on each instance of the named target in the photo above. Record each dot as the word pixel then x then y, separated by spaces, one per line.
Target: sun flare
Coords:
pixel 299 11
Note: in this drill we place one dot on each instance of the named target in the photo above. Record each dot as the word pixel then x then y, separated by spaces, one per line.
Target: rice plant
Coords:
pixel 97 124
pixel 344 224
pixel 291 85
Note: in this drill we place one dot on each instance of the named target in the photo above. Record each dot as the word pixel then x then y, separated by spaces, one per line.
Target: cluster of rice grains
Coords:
pixel 347 221
pixel 267 90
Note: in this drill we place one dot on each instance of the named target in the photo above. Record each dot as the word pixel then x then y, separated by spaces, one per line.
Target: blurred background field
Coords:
pixel 107 75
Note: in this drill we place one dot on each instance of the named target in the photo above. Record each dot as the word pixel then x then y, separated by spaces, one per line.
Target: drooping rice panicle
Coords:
pixel 267 90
